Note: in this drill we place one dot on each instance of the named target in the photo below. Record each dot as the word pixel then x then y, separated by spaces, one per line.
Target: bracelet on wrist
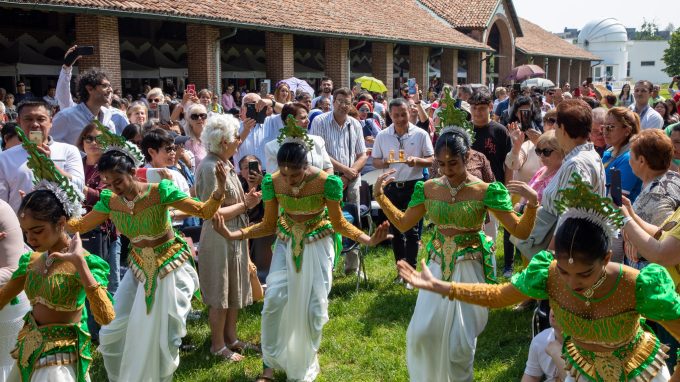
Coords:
pixel 451 292
pixel 626 220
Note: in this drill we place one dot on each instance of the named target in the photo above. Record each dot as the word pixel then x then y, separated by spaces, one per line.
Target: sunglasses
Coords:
pixel 169 149
pixel 90 139
pixel 544 152
pixel 364 110
pixel 154 100
pixel 203 116
pixel 551 121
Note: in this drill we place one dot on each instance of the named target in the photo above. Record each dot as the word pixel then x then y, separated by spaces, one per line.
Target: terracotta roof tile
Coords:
pixel 539 41
pixel 399 21
pixel 463 13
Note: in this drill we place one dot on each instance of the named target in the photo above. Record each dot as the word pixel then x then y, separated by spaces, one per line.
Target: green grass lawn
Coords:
pixel 365 339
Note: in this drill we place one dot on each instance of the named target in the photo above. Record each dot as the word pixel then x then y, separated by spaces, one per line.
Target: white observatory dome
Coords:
pixel 604 30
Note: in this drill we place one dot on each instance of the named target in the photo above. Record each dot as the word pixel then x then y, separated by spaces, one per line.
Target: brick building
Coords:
pixel 208 43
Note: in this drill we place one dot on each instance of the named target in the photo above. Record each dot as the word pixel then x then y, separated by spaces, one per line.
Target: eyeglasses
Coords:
pixel 106 86
pixel 90 139
pixel 154 100
pixel 343 103
pixel 195 117
pixel 551 121
pixel 545 152
pixel 364 110
pixel 171 148
pixel 608 127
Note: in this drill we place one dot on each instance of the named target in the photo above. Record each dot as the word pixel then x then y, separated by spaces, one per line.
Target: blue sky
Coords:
pixel 555 15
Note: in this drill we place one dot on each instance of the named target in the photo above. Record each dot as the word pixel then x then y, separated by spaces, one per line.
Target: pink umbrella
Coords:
pixel 524 72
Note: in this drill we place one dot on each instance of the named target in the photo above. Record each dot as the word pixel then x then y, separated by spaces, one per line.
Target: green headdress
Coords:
pixel 292 132
pixel 47 177
pixel 451 118
pixel 581 202
pixel 113 142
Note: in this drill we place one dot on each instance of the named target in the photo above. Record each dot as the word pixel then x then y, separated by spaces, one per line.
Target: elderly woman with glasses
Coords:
pixel 196 115
pixel 155 97
pixel 225 285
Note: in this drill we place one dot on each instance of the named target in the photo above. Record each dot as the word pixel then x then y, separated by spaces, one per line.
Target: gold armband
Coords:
pixel 100 304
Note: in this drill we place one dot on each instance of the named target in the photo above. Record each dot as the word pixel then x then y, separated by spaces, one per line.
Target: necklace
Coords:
pixel 454 190
pixel 296 189
pixel 50 260
pixel 131 203
pixel 588 294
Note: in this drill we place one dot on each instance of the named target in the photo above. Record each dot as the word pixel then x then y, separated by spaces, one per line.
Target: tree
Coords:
pixel 671 56
pixel 648 31
pixel 670 28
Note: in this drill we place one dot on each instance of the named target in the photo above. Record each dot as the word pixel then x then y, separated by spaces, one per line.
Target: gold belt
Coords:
pixel 468 256
pixel 617 365
pixel 56 360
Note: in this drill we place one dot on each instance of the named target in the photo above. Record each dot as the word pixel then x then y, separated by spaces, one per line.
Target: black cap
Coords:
pixel 179 139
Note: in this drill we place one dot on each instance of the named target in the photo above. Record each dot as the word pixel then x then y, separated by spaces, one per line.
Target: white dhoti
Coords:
pixel 142 347
pixel 442 335
pixel 296 308
pixel 58 373
pixel 11 321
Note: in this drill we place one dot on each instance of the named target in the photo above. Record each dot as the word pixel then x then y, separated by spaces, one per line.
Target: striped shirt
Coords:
pixel 343 143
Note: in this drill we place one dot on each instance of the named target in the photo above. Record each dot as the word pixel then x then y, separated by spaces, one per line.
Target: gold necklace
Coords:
pixel 296 189
pixel 454 190
pixel 588 294
pixel 131 203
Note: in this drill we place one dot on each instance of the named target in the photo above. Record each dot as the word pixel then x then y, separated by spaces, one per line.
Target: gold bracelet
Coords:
pixel 452 292
pixel 94 287
pixel 534 206
pixel 218 199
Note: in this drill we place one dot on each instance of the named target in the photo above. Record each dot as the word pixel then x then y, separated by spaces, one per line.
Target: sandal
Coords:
pixel 231 356
pixel 241 346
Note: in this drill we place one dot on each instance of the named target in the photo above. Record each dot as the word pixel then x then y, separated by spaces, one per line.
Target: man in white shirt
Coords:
pixel 418 153
pixel 49 97
pixel 255 136
pixel 649 118
pixel 95 93
pixel 15 176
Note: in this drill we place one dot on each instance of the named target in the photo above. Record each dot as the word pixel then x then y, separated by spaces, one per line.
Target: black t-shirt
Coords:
pixel 424 125
pixel 494 142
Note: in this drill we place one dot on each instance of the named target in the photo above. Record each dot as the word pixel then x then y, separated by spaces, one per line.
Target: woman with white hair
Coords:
pixel 196 116
pixel 225 285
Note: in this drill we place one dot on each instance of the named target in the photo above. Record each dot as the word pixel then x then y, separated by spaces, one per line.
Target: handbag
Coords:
pixel 540 236
pixel 255 286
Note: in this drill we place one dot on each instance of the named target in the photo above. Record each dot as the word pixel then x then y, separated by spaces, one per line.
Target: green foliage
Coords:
pixel 365 339
pixel 671 56
pixel 648 31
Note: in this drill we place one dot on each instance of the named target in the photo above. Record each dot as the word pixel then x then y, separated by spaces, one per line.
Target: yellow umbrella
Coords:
pixel 371 84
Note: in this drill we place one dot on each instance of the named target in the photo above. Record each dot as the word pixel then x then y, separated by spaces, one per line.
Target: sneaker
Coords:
pixel 398 280
pixel 409 286
pixel 507 274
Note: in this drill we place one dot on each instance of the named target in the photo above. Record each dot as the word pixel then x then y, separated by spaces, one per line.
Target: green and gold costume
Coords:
pixel 614 321
pixel 432 199
pixel 59 288
pixel 320 201
pixel 149 219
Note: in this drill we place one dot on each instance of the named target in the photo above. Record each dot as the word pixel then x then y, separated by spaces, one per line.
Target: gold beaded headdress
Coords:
pixel 292 132
pixel 113 142
pixel 581 202
pixel 47 177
